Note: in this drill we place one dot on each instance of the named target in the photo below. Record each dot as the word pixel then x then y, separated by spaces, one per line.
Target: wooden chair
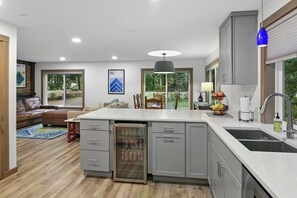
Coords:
pixel 158 103
pixel 176 100
pixel 137 101
pixel 160 96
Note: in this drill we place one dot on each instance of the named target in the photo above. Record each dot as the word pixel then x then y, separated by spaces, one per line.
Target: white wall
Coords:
pixel 234 92
pixel 96 74
pixel 11 32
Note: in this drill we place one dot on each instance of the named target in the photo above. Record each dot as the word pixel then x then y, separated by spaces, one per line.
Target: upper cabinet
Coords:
pixel 238 49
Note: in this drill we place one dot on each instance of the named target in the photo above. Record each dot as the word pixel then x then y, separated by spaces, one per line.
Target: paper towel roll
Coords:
pixel 244 104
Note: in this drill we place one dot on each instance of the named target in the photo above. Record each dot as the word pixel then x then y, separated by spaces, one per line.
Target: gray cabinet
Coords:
pixel 196 150
pixel 168 154
pixel 209 131
pixel 95 149
pixel 238 50
pixel 225 173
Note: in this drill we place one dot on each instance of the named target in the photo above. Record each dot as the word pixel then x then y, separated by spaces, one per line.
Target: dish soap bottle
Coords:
pixel 277 124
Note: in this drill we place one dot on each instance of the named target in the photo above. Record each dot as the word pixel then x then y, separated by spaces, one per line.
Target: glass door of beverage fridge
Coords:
pixel 130 152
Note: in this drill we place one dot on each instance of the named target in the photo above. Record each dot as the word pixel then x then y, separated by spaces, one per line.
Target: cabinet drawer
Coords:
pixel 229 158
pixel 94 125
pixel 94 160
pixel 94 140
pixel 168 127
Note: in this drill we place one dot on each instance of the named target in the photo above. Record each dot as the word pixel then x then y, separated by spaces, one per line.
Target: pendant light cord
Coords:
pixel 163 56
pixel 262 15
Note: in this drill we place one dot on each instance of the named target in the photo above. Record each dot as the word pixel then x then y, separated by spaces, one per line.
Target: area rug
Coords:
pixel 40 132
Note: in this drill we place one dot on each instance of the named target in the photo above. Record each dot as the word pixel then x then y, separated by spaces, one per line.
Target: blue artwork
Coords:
pixel 21 75
pixel 116 81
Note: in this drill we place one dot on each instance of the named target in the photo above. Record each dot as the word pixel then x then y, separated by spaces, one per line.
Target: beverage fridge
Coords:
pixel 130 152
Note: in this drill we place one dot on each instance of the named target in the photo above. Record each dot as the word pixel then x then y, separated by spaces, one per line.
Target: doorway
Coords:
pixel 4 131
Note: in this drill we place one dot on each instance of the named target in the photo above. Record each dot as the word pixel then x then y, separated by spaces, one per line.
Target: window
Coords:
pixel 169 84
pixel 63 88
pixel 286 81
pixel 211 71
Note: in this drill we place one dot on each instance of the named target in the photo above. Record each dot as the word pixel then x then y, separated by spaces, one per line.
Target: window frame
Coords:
pixel 214 65
pixel 64 72
pixel 267 74
pixel 188 69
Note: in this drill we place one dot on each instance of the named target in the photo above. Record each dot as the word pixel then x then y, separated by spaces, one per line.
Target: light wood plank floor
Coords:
pixel 51 168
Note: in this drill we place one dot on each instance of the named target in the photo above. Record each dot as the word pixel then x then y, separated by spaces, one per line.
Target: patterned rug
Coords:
pixel 40 132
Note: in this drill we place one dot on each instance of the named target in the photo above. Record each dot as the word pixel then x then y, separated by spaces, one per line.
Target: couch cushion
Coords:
pixel 31 103
pixel 36 114
pixel 93 108
pixel 23 116
pixel 20 106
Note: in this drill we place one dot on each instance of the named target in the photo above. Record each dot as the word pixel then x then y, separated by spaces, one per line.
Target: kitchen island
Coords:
pixel 274 171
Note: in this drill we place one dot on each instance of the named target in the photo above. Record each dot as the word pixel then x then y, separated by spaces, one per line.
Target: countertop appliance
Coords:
pixel 251 187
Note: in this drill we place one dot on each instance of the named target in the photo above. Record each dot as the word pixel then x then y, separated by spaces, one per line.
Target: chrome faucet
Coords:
pixel 290 129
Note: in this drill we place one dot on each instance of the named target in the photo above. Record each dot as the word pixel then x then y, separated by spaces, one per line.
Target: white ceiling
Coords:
pixel 128 29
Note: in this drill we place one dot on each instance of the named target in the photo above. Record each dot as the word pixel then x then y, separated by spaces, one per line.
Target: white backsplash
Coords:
pixel 233 94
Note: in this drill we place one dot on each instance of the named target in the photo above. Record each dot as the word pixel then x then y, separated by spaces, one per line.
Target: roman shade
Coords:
pixel 282 39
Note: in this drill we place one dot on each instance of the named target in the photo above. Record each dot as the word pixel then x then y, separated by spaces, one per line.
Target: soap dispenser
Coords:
pixel 277 123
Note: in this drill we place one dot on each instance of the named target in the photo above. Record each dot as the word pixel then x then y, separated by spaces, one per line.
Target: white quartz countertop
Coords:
pixel 147 115
pixel 277 172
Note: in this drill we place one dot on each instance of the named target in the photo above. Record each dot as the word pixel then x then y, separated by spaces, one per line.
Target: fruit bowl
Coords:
pixel 218 95
pixel 219 109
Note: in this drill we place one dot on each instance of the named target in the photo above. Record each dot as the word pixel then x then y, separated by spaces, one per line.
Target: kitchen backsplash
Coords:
pixel 234 92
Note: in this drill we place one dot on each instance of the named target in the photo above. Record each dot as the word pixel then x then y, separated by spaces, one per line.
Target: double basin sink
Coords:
pixel 257 140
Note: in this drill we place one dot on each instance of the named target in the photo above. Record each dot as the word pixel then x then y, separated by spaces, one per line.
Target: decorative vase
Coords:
pixel 200 98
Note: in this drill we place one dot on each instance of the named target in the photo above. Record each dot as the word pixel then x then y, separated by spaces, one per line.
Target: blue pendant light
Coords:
pixel 262 36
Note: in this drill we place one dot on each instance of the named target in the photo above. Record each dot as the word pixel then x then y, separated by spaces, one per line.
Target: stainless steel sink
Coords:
pixel 248 134
pixel 257 140
pixel 268 146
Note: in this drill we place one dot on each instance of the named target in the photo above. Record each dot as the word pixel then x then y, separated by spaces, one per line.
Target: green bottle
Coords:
pixel 277 124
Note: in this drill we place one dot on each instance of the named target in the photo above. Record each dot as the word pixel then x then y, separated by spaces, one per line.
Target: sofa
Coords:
pixel 87 109
pixel 30 110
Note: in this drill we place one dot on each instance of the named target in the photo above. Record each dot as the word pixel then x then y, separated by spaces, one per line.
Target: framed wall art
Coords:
pixel 116 81
pixel 21 75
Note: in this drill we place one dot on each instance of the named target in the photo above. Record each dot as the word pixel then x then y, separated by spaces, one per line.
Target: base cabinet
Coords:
pixel 224 181
pixel 95 147
pixel 196 150
pixel 169 155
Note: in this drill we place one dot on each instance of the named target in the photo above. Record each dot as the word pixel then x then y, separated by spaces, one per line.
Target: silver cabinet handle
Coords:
pixel 93 160
pixel 220 169
pixel 168 129
pixel 94 140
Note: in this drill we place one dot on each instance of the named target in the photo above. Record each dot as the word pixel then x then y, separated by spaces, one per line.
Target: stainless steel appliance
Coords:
pixel 250 186
pixel 130 152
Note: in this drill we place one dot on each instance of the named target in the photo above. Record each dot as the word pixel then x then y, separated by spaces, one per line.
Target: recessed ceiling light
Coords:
pixel 159 53
pixel 131 31
pixel 62 58
pixel 114 57
pixel 22 14
pixel 0 3
pixel 76 40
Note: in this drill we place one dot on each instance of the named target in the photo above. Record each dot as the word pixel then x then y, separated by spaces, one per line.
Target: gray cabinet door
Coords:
pixel 238 49
pixel 169 155
pixel 209 132
pixel 245 68
pixel 216 173
pixel 232 189
pixel 226 63
pixel 196 150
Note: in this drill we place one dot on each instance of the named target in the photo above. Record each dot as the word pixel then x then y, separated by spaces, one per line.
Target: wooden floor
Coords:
pixel 51 168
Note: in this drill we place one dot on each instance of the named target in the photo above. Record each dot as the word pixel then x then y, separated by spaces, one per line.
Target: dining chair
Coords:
pixel 160 96
pixel 153 103
pixel 176 100
pixel 137 101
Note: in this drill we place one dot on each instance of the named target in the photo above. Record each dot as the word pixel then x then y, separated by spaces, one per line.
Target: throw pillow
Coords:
pixel 114 100
pixel 93 108
pixel 20 106
pixel 31 103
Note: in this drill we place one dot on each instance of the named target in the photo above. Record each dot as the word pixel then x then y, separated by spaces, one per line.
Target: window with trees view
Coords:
pixel 169 85
pixel 63 88
pixel 286 75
